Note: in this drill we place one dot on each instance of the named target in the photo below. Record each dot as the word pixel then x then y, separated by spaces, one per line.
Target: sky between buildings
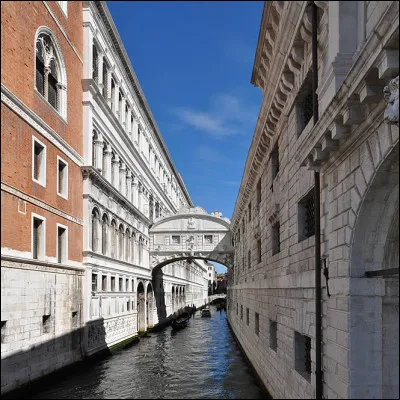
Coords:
pixel 194 61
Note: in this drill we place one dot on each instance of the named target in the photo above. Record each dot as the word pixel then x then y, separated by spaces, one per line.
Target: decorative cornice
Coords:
pixel 88 172
pixel 15 192
pixel 120 49
pixel 16 105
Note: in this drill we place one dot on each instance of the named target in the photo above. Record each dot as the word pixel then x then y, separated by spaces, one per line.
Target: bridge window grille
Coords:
pixel 306 211
pixel 208 239
pixel 303 355
pixel 176 239
pixel 273 335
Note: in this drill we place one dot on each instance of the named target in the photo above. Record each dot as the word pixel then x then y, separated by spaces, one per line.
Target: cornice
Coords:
pixel 23 111
pixel 33 200
pixel 120 49
pixel 88 172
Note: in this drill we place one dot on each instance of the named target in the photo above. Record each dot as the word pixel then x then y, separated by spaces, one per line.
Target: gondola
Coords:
pixel 180 323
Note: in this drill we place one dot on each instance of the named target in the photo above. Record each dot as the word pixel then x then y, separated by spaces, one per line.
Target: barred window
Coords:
pixel 276 238
pixel 306 216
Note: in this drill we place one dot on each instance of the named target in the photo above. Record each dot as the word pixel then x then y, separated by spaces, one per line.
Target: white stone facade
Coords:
pixel 129 182
pixel 271 295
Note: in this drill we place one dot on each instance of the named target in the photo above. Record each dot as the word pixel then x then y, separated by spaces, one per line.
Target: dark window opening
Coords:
pixel 306 216
pixel 273 335
pixel 276 238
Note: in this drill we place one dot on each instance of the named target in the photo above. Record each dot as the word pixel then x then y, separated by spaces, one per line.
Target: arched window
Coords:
pixel 104 234
pixel 112 94
pixel 121 242
pixel 50 75
pixel 127 246
pixel 95 229
pixel 94 138
pixel 113 238
pixel 105 79
pixel 133 239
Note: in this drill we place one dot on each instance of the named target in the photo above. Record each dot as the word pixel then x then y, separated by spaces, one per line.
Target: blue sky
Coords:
pixel 194 62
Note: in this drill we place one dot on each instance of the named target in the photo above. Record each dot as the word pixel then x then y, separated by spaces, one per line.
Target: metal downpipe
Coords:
pixel 317 200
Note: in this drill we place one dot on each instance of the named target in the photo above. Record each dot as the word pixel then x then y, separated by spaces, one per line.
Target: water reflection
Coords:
pixel 201 361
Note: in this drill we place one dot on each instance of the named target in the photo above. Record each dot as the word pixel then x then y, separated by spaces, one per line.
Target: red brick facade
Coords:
pixel 20 22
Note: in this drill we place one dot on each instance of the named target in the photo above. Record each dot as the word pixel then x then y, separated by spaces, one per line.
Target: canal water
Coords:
pixel 201 361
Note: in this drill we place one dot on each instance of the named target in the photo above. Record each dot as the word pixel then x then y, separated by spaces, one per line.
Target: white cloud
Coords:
pixel 210 155
pixel 226 116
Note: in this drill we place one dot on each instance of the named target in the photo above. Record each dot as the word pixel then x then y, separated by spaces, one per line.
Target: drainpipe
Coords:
pixel 317 199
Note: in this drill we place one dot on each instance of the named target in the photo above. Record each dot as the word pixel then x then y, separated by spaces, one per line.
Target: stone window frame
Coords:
pixel 247 316
pixel 55 54
pixel 42 255
pixel 43 163
pixel 303 95
pixel 259 255
pixel 302 215
pixel 273 335
pixel 64 194
pixel 64 257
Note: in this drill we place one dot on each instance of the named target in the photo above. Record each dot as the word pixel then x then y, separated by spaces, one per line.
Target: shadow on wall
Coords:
pixel 159 293
pixel 26 371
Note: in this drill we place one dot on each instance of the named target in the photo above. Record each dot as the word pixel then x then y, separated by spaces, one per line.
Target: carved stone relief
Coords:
pixel 391 95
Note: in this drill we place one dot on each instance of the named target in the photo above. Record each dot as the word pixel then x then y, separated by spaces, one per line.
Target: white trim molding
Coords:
pixel 16 105
pixel 43 164
pixel 64 257
pixel 66 177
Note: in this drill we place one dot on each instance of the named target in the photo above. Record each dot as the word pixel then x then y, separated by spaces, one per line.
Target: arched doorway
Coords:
pixel 149 306
pixel 141 308
pixel 374 287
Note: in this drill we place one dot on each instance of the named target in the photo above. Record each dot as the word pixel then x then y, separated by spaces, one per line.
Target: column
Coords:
pixel 129 185
pixel 108 83
pixel 98 159
pixel 115 166
pixel 107 155
pixel 100 71
pixel 122 178
pixel 135 189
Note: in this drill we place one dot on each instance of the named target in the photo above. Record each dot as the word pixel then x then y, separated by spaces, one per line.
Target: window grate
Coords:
pixel 307 354
pixel 309 226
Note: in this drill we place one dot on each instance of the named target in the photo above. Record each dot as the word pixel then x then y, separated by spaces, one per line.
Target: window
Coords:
pixel 128 306
pixel 104 283
pixel 249 211
pixel 273 335
pixel 126 284
pixel 304 105
pixel 94 282
pixel 241 312
pixel 275 162
pixel 105 79
pixel 237 308
pixel 247 316
pixel 176 239
pixel 302 349
pixel 276 238
pixel 95 66
pixel 259 193
pixel 95 230
pixel 306 216
pixel 259 250
pixel 113 283
pixel 120 284
pixel 38 162
pixel 50 77
pixel 75 319
pixel 257 323
pixel 62 178
pixel 62 243
pixel 46 323
pixel 208 239
pixel 249 259
pixel 38 237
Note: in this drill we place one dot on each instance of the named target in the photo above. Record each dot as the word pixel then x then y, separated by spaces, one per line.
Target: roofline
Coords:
pixel 119 47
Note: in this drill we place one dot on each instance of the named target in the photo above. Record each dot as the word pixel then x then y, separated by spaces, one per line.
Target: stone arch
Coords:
pixel 374 300
pixel 121 234
pixel 127 253
pixel 141 306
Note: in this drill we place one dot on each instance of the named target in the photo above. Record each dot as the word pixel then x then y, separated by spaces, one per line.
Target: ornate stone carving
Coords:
pixel 391 95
